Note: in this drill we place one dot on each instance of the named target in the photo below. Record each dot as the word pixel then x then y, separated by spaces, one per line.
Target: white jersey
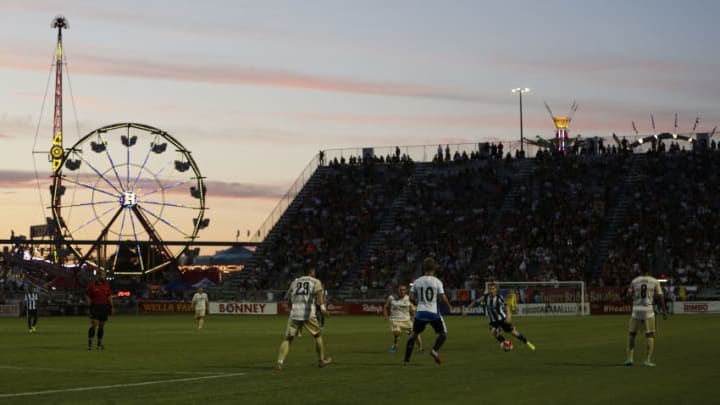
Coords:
pixel 199 300
pixel 399 308
pixel 427 290
pixel 644 290
pixel 303 296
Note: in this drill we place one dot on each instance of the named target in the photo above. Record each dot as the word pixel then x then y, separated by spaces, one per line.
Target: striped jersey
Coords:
pixel 399 308
pixel 303 296
pixel 427 291
pixel 31 299
pixel 494 307
pixel 644 291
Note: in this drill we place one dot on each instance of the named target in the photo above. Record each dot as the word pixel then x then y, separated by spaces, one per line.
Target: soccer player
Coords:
pixel 31 301
pixel 426 291
pixel 643 289
pixel 200 304
pixel 303 295
pixel 399 311
pixel 99 298
pixel 499 315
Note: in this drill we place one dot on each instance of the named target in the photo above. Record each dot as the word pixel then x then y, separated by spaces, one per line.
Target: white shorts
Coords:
pixel 401 326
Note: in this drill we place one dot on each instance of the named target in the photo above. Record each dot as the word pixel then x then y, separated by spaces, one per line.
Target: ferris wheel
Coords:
pixel 123 190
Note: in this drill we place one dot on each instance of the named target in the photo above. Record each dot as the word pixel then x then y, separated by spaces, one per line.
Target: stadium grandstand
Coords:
pixel 367 217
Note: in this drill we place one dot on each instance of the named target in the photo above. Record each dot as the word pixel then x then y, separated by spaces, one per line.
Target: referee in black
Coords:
pixel 31 301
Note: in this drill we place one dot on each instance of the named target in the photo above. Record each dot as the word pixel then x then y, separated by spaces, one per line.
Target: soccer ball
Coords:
pixel 506 346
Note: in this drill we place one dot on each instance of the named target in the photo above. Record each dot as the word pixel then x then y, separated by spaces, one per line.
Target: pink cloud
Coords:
pixel 239 75
pixel 17 179
pixel 267 77
pixel 460 121
pixel 21 179
pixel 243 190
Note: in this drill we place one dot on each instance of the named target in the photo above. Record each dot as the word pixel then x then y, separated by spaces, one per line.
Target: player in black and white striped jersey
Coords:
pixel 499 315
pixel 31 302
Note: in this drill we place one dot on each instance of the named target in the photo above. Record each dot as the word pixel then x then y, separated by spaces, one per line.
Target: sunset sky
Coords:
pixel 256 88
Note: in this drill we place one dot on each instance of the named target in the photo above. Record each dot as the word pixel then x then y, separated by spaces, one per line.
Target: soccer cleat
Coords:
pixel 530 345
pixel 100 346
pixel 393 349
pixel 30 330
pixel 279 366
pixel 34 329
pixel 628 363
pixel 89 346
pixel 422 350
pixel 436 356
pixel 406 363
pixel 649 364
pixel 325 362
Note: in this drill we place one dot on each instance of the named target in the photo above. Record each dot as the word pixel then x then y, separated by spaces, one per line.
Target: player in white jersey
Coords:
pixel 304 295
pixel 399 311
pixel 644 290
pixel 200 304
pixel 426 291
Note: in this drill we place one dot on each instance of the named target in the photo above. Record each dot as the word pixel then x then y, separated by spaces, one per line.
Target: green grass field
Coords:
pixel 163 359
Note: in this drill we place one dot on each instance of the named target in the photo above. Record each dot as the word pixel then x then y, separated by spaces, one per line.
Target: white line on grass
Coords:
pixel 113 371
pixel 106 387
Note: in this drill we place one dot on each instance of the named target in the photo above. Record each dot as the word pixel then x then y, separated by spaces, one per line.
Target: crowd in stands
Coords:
pixel 673 225
pixel 445 214
pixel 366 223
pixel 458 210
pixel 549 232
pixel 333 224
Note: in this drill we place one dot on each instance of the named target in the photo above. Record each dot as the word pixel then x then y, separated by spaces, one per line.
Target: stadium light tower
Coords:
pixel 521 90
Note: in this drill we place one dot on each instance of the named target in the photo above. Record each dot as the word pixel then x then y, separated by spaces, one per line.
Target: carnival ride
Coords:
pixel 673 136
pixel 126 197
pixel 561 140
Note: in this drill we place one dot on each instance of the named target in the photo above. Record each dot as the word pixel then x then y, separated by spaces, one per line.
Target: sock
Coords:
pixel 419 342
pixel 521 337
pixel 283 351
pixel 200 323
pixel 500 338
pixel 650 347
pixel 409 348
pixel 320 347
pixel 439 341
pixel 101 332
pixel 395 340
pixel 630 347
pixel 91 335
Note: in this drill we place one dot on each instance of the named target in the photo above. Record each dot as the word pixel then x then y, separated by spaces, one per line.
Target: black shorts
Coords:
pixel 506 327
pixel 100 312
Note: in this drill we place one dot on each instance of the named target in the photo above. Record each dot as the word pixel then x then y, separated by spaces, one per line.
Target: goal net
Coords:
pixel 544 298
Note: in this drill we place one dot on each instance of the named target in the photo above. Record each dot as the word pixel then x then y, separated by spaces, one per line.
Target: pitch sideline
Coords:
pixel 105 387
